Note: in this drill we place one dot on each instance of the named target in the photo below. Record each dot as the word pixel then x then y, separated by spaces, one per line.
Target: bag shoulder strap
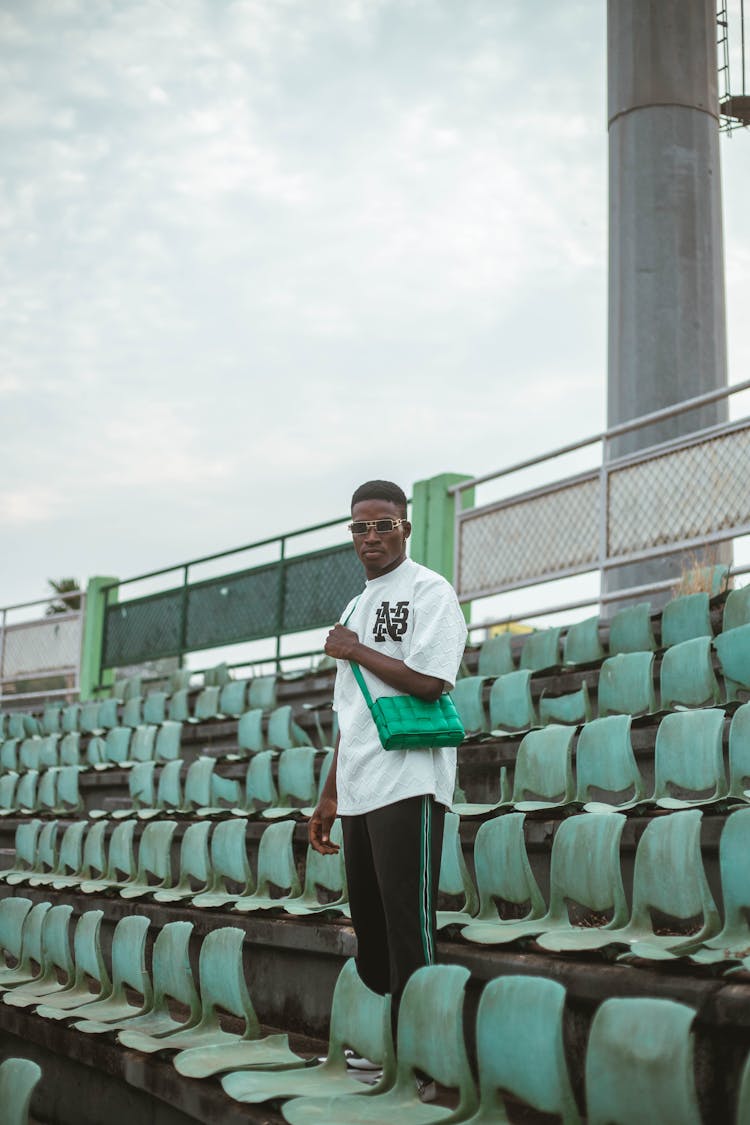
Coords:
pixel 355 667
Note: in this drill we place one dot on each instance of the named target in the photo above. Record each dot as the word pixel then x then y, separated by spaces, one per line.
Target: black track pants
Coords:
pixel 392 860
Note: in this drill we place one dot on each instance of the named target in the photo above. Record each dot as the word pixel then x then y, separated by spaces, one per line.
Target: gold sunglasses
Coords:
pixel 361 527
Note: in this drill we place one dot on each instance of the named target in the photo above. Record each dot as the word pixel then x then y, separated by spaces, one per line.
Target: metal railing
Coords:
pixel 40 656
pixel 688 493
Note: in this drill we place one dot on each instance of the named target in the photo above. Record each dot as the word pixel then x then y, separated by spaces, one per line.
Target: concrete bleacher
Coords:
pixel 291 963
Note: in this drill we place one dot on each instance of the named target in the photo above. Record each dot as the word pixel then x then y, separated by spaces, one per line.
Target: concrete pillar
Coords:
pixel 667 334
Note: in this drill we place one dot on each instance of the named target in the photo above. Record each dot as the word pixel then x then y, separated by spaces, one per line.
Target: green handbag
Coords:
pixel 407 723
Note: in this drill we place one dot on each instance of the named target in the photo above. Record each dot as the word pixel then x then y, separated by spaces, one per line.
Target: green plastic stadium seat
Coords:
pixel 296 781
pixel 511 705
pixel 168 793
pixel 9 754
pixel 129 976
pixel 48 751
pixel 180 679
pixel 70 749
pixel 217 676
pixel 133 688
pixel 733 649
pixel 108 713
pixel 430 1040
pixel 473 809
pixel 276 868
pixel 605 762
pixel 89 718
pixel 544 768
pixel 250 731
pixel 120 862
pixel 626 684
pixel 571 708
pixel 283 732
pixel 207 703
pixel 56 963
pixel 496 656
pixel 52 718
pixel 582 644
pixel 455 880
pixel 143 744
pixel 225 795
pixel 197 793
pixel 733 940
pixel 168 741
pixel 93 860
pixel 69 857
pixel 631 631
pixel 29 966
pixel 520 1050
pixel 155 708
pixel 736 609
pixel 18 1080
pixel 743 1096
pixel 46 855
pixel 8 783
pixel 688 756
pixel 27 834
pixel 640 1064
pixel 360 1021
pixel 685 618
pixel 260 787
pixel 687 675
pixel 27 800
pixel 179 706
pixel 194 866
pixel 15 725
pixel 46 795
pixel 229 862
pixel 132 712
pixel 154 870
pixel 71 717
pixel 171 979
pixel 541 650
pixel 89 967
pixel 28 755
pixel 262 693
pixel 232 698
pixel 739 753
pixel 96 753
pixel 504 876
pixel 13 913
pixel 140 791
pixel 323 872
pixel 467 697
pixel 117 744
pixel 69 798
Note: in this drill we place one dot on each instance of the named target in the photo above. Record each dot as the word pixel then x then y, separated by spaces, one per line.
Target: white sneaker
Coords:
pixel 357 1062
pixel 426 1089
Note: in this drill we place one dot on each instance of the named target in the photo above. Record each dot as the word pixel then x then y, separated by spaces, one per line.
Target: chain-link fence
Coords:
pixel 40 650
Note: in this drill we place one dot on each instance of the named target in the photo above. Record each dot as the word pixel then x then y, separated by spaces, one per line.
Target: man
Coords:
pixel 407 633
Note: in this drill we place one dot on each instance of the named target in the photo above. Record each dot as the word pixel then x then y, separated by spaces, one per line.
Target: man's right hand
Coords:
pixel 319 827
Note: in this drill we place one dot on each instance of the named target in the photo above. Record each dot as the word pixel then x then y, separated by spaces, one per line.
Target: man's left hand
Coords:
pixel 341 643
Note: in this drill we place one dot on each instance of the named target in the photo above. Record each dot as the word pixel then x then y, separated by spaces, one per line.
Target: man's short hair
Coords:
pixel 380 490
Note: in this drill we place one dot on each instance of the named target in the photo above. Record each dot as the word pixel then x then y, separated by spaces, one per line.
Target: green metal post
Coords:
pixel 92 648
pixel 433 513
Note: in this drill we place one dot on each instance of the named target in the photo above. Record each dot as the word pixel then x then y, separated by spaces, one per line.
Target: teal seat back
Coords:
pixel 502 867
pixel 733 649
pixel 9 754
pixel 28 755
pixel 229 853
pixel 688 753
pixel 734 848
pixel 430 1032
pixel 48 752
pixel 687 675
pixel 70 749
pixel 260 787
pixel 70 717
pixel 51 718
pixel 26 792
pixel 605 760
pixel 129 958
pixel 222 979
pixel 262 692
pixel 68 793
pixel 669 876
pixel 326 871
pixel 155 851
pixel 118 744
pixel 142 744
pixel 217 676
pixel 179 709
pixel 296 776
pixel 96 751
pixel 56 953
pixel 133 688
pixel 639 1064
pixel 250 731
pixel 520 1047
pixel 572 708
pixel 198 783
pixel 541 650
pixel 26 839
pixel 121 854
pixel 169 790
pixel 46 853
pixel 544 766
pixel 71 847
pixel 225 792
pixel 232 698
pixel 94 859
pixel 585 866
pixel 89 719
pixel 132 712
pixel 18 1080
pixel 207 703
pixel 87 951
pixel 31 938
pixel 280 728
pixel 46 795
pixel 141 785
pixel 361 1021
pixel 325 769
pixel 631 631
pixel 8 784
pixel 108 713
pixel 155 708
pixel 276 866
pixel 684 618
pixel 171 975
pixel 194 858
pixel 168 741
pixel 180 679
pixel 736 609
pixel 455 879
pixel 511 704
pixel 582 644
pixel 13 913
pixel 739 751
pixel 467 697
pixel 626 684
pixel 496 656
pixel 16 727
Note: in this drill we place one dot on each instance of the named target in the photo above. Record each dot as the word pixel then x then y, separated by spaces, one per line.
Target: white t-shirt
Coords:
pixel 411 614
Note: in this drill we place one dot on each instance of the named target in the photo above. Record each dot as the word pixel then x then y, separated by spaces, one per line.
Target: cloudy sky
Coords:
pixel 256 251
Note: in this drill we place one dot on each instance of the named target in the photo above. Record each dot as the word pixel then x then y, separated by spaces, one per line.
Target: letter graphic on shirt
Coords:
pixel 394 621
